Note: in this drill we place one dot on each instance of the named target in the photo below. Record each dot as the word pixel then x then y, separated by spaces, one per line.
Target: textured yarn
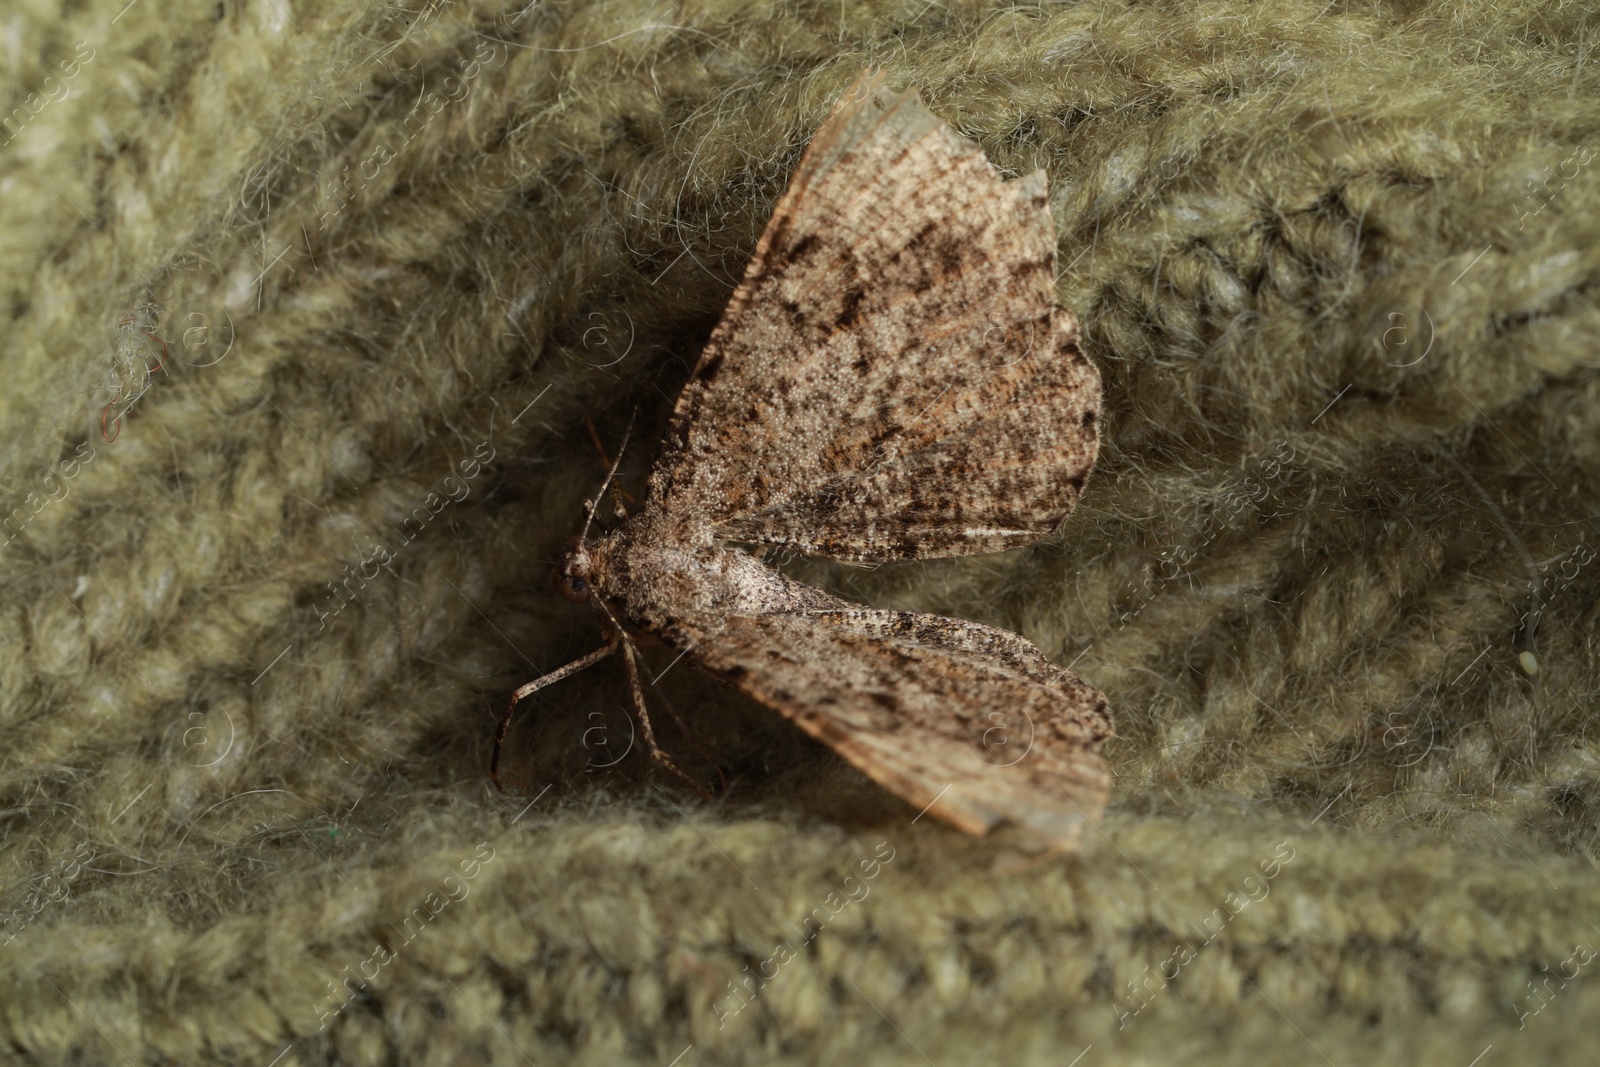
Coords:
pixel 408 270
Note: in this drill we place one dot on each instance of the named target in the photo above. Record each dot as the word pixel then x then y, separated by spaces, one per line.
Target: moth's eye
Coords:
pixel 570 586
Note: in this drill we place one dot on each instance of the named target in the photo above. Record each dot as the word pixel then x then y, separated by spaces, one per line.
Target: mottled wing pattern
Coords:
pixel 971 720
pixel 893 378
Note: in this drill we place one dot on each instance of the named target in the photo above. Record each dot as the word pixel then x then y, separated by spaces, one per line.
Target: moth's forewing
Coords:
pixel 970 719
pixel 893 378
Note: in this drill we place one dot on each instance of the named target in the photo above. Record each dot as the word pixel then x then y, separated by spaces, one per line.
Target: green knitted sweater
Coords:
pixel 315 313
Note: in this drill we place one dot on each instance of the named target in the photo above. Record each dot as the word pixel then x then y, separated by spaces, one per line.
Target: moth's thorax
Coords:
pixel 657 573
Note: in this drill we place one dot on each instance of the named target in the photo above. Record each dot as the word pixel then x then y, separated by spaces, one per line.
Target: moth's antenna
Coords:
pixel 612 473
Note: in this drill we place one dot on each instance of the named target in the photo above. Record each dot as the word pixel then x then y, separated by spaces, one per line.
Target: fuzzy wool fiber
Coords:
pixel 408 269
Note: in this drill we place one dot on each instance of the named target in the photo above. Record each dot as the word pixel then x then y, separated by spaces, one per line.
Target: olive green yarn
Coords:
pixel 1335 568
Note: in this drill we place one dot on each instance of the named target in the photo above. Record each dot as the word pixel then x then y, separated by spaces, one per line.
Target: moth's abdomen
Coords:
pixel 656 584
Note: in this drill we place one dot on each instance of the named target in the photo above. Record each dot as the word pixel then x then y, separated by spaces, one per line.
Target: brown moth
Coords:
pixel 891 380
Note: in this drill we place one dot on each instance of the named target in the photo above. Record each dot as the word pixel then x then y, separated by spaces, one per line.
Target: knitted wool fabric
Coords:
pixel 405 267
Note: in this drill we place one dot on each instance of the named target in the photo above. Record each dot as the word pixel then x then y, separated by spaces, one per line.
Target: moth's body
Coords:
pixel 893 379
pixel 657 584
pixel 658 573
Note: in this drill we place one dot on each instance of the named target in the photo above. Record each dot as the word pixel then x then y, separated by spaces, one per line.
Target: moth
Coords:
pixel 891 380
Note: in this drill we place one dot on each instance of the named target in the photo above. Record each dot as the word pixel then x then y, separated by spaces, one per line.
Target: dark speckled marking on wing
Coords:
pixel 893 378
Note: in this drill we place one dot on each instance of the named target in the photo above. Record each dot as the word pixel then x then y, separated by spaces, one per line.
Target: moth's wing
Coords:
pixel 892 378
pixel 1009 465
pixel 970 722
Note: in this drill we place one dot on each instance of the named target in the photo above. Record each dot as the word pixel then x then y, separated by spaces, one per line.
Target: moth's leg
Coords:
pixel 722 779
pixel 619 494
pixel 657 753
pixel 613 638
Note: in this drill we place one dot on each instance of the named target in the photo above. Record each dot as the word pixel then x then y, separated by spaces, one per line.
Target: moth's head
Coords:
pixel 574 575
